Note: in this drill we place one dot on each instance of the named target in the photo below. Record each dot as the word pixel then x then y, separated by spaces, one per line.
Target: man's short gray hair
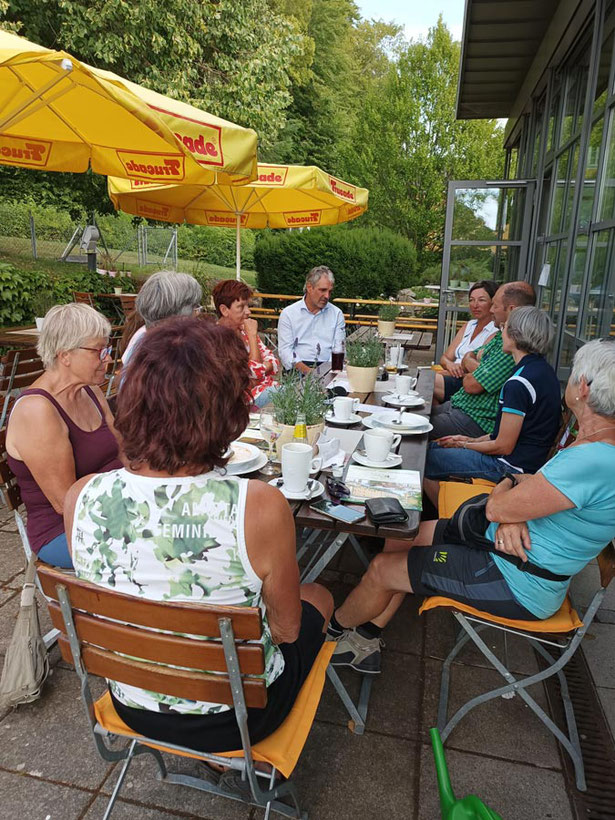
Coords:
pixel 167 294
pixel 316 274
pixel 595 362
pixel 67 327
pixel 530 329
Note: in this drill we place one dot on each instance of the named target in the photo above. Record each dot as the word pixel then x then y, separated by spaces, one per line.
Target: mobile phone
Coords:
pixel 337 511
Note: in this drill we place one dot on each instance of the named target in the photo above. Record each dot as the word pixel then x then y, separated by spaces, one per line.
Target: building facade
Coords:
pixel 549 68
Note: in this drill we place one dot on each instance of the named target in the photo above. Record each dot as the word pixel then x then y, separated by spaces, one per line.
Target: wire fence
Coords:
pixel 141 245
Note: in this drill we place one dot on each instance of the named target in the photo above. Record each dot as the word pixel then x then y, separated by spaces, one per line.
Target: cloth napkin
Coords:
pixel 330 451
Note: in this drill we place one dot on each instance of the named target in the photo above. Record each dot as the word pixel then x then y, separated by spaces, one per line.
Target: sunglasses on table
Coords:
pixel 337 490
pixel 103 352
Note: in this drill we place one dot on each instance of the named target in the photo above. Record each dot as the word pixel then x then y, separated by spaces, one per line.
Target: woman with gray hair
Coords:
pixel 164 294
pixel 528 416
pixel 61 428
pixel 537 531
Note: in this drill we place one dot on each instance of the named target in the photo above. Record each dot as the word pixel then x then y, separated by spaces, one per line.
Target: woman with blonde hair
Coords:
pixel 61 427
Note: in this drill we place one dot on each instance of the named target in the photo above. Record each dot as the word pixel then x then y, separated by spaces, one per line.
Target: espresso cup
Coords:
pixel 297 463
pixel 404 384
pixel 379 443
pixel 344 407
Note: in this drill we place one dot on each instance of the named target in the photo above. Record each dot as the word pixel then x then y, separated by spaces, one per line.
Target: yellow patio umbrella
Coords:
pixel 282 196
pixel 59 114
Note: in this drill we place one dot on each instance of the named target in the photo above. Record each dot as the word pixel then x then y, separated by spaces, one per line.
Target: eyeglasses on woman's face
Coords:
pixel 103 352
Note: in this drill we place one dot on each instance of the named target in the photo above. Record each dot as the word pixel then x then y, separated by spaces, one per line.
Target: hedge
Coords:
pixel 214 245
pixel 368 263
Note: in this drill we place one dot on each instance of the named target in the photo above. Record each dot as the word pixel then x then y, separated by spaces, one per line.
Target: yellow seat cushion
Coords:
pixel 565 619
pixel 281 749
pixel 438 368
pixel 454 493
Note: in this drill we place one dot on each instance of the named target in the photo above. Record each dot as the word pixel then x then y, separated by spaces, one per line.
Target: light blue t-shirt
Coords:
pixel 568 540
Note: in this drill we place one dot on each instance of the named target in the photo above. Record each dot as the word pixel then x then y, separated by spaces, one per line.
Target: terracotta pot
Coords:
pixel 385 328
pixel 362 379
pixel 313 431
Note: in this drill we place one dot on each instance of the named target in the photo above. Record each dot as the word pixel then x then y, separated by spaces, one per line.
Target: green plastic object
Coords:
pixel 468 808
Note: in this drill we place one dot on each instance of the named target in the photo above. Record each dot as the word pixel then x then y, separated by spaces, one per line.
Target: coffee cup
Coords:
pixel 403 384
pixel 379 443
pixel 297 463
pixel 344 407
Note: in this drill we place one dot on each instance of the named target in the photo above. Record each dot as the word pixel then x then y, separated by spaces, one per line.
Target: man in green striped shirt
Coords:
pixel 471 411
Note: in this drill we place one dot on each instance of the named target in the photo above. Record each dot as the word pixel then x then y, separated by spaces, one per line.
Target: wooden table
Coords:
pixel 24 336
pixel 413 340
pixel 413 450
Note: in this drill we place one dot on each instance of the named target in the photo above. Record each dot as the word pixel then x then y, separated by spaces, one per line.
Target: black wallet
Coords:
pixel 385 511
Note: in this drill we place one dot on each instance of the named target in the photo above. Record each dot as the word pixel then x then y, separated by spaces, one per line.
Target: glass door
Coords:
pixel 485 237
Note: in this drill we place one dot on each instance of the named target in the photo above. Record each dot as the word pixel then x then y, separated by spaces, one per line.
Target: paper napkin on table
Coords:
pixel 330 451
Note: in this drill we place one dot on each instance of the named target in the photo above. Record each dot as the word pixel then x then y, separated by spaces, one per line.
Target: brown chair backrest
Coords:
pixel 101 641
pixel 128 304
pixel 83 298
pixel 8 482
pixel 606 564
pixel 20 368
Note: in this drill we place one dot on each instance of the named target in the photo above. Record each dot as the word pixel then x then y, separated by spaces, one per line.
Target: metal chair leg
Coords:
pixel 120 780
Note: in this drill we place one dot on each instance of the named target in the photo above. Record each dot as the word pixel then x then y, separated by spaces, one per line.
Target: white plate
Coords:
pixel 403 431
pixel 258 464
pixel 386 417
pixel 355 418
pixel 404 401
pixel 244 456
pixel 305 496
pixel 393 460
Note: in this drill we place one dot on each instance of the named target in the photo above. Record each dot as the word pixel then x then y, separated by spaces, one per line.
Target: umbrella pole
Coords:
pixel 238 246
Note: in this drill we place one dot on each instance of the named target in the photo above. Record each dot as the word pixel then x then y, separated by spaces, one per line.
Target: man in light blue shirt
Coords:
pixel 310 329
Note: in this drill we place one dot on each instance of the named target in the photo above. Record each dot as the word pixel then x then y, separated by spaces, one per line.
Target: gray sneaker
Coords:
pixel 362 654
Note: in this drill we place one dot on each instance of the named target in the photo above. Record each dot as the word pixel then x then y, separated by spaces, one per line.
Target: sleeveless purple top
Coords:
pixel 94 452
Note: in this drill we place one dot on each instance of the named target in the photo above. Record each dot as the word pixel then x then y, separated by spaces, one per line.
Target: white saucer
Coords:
pixel 305 496
pixel 392 460
pixel 355 418
pixel 258 464
pixel 403 431
pixel 407 400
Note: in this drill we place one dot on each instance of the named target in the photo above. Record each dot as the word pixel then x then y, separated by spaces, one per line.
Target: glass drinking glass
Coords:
pixel 271 430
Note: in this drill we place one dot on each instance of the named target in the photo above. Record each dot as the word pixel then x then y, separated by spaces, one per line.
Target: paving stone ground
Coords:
pixel 49 769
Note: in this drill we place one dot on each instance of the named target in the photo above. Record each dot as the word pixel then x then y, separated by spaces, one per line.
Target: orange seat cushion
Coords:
pixel 281 749
pixel 565 619
pixel 453 493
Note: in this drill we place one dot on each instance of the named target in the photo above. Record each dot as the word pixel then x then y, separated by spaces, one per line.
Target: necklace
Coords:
pixel 599 430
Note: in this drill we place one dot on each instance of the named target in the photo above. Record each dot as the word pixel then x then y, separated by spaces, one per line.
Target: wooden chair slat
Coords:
pixel 22 352
pixel 606 564
pixel 176 616
pixel 206 656
pixel 26 366
pixel 175 682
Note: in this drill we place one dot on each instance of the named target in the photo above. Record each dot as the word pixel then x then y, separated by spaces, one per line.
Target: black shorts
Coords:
pixel 451 386
pixel 219 732
pixel 468 575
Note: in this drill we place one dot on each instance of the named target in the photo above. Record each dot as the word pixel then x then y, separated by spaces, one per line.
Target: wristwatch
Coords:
pixel 512 476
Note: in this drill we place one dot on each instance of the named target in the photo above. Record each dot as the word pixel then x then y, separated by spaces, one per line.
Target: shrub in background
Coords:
pixel 51 223
pixel 365 261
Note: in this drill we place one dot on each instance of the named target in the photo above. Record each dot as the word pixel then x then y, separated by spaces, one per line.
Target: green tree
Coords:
pixel 407 144
pixel 232 58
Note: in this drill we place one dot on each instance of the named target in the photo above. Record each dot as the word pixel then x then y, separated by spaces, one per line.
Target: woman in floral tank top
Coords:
pixel 231 301
pixel 173 526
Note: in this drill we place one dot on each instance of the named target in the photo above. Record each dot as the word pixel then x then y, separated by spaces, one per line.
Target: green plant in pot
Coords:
pixel 387 316
pixel 42 301
pixel 299 394
pixel 362 360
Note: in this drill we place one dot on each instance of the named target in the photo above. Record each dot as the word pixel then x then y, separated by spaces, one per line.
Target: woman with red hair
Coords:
pixel 172 525
pixel 231 300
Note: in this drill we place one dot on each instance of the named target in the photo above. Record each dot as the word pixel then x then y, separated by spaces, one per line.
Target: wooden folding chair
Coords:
pixel 563 632
pixel 128 304
pixel 19 369
pixel 211 659
pixel 11 495
pixel 83 298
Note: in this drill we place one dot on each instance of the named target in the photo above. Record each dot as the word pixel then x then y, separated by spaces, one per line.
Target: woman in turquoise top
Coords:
pixel 558 520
